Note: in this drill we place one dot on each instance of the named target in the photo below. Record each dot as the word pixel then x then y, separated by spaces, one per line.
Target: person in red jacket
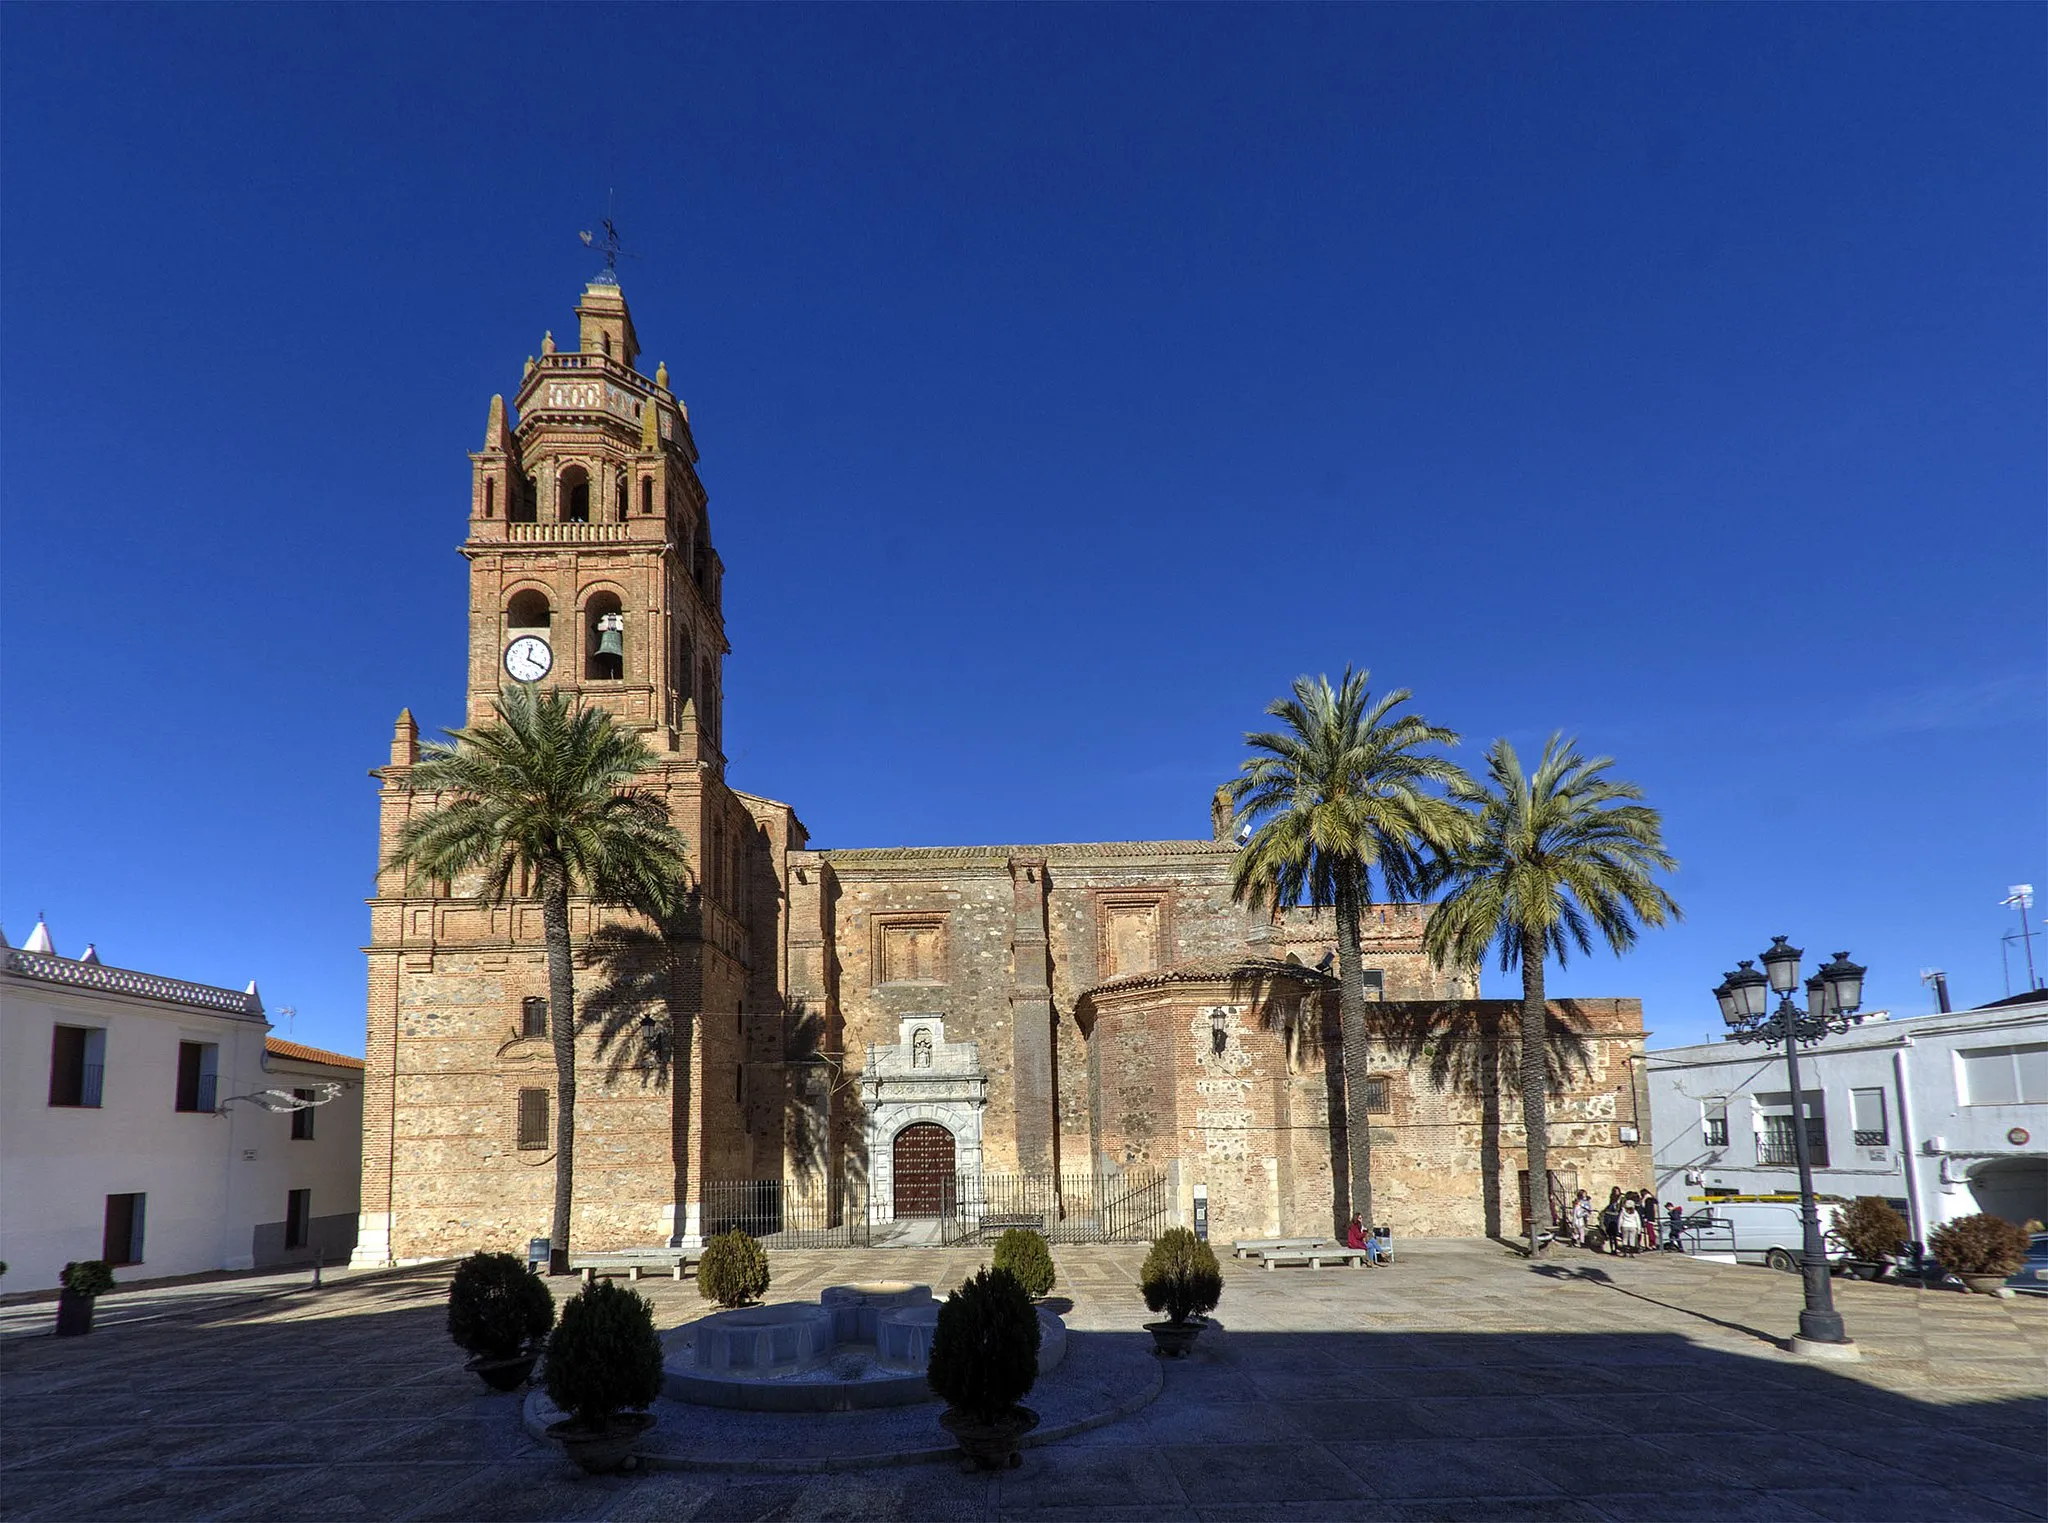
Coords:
pixel 1355 1236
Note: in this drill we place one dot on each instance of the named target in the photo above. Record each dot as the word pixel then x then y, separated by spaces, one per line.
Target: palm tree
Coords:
pixel 1337 795
pixel 543 797
pixel 1552 859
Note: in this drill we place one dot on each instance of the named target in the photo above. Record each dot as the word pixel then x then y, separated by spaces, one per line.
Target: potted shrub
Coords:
pixel 1873 1233
pixel 1982 1250
pixel 603 1358
pixel 733 1271
pixel 83 1280
pixel 984 1360
pixel 1025 1254
pixel 499 1313
pixel 1182 1279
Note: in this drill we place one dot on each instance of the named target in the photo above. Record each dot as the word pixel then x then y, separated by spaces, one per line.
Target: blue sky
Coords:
pixel 1068 380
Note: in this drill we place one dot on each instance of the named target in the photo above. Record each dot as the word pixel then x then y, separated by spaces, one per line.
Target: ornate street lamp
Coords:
pixel 1833 996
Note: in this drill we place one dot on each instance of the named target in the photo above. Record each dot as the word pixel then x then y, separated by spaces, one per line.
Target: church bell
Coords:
pixel 611 635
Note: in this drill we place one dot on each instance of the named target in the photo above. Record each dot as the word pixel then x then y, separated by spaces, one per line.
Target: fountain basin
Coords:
pixel 764 1340
pixel 857 1347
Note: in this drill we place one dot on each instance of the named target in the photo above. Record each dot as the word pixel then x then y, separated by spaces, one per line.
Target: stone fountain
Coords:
pixel 857 1346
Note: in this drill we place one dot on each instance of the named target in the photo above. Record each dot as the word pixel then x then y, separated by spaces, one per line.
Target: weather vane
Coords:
pixel 610 241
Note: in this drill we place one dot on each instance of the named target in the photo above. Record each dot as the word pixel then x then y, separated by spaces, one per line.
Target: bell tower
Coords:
pixel 589 546
pixel 591 571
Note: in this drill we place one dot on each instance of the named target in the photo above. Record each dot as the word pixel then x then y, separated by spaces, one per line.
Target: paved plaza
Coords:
pixel 1464 1382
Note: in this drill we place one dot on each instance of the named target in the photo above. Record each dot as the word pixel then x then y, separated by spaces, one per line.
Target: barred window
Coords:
pixel 1375 1097
pixel 533 1016
pixel 533 1118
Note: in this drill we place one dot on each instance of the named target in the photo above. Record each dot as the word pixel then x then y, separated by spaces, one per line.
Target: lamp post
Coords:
pixel 1833 996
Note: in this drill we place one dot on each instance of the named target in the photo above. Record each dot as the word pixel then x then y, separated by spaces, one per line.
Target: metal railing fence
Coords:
pixel 1131 1205
pixel 778 1217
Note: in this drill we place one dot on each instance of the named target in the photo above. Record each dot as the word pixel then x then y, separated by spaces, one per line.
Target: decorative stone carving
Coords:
pixel 921 1077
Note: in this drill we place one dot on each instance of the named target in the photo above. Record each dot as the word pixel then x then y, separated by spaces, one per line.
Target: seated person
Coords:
pixel 1355 1236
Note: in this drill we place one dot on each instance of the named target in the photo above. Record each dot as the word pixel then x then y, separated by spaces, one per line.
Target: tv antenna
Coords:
pixel 2020 897
pixel 291 1016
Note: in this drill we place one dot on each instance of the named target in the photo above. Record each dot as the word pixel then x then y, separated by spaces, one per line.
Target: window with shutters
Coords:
pixel 2003 1075
pixel 78 1065
pixel 533 1016
pixel 198 1075
pixel 1867 1118
pixel 1714 1123
pixel 533 1118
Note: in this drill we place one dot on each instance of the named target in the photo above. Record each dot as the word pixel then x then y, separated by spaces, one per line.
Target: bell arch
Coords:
pixel 572 495
pixel 604 637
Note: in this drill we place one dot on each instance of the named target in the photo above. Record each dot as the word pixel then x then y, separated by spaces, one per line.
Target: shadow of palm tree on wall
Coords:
pixel 1472 1047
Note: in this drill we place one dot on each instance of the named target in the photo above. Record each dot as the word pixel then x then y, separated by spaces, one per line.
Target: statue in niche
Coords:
pixel 921 1048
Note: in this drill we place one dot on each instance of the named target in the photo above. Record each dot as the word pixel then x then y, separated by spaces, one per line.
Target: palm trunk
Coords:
pixel 554 916
pixel 1351 1020
pixel 1535 1084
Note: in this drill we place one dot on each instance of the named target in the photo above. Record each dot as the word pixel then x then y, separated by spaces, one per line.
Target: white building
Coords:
pixel 148 1121
pixel 1943 1115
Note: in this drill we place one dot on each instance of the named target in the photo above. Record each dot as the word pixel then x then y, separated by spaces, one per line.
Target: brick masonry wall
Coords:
pixel 1257 1130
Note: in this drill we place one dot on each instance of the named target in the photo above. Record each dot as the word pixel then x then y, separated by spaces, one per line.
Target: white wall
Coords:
pixel 1943 1157
pixel 330 1164
pixel 204 1192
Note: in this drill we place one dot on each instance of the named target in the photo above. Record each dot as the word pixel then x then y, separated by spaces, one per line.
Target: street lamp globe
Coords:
pixel 1752 990
pixel 1817 996
pixel 1724 992
pixel 1845 984
pixel 1781 962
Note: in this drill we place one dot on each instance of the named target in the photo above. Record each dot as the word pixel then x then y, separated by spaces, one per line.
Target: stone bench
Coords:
pixel 1030 1220
pixel 1253 1247
pixel 1314 1258
pixel 635 1262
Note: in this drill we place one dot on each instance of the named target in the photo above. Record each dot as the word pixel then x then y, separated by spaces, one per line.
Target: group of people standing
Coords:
pixel 1628 1222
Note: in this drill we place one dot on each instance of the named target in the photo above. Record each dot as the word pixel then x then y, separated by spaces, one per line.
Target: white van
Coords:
pixel 1756 1229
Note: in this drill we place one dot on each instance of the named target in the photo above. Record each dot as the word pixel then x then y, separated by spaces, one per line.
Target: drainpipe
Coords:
pixel 1914 1212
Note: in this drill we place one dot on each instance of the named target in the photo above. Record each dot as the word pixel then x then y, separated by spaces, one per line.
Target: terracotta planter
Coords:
pixel 990 1446
pixel 74 1314
pixel 601 1450
pixel 1984 1284
pixel 1174 1339
pixel 504 1374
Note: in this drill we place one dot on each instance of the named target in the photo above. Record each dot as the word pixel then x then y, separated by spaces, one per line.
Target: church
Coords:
pixel 883 1030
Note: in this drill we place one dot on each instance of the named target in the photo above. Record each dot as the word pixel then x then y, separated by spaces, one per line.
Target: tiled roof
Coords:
pixel 278 1047
pixel 1066 851
pixel 1211 969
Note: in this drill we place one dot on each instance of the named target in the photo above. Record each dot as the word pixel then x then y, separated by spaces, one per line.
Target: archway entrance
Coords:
pixel 923 1159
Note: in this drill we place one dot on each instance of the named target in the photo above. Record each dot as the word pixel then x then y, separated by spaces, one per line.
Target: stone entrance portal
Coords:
pixel 924 1097
pixel 923 1166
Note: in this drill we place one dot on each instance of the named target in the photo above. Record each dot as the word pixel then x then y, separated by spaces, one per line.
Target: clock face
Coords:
pixel 528 658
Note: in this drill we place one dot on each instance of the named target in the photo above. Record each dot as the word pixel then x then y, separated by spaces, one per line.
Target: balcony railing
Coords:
pixel 1776 1149
pixel 567 533
pixel 93 975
